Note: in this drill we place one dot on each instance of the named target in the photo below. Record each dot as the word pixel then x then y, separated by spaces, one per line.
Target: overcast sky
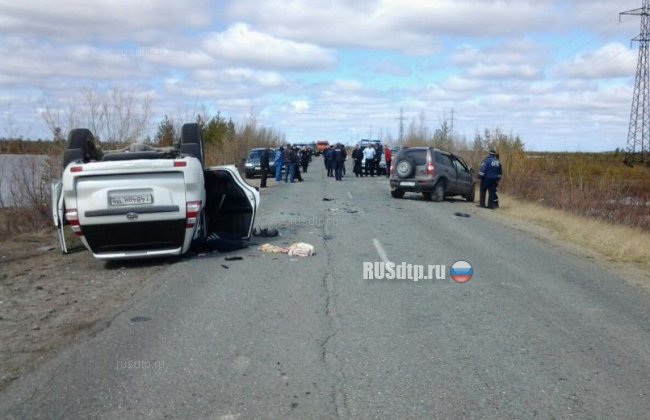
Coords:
pixel 558 73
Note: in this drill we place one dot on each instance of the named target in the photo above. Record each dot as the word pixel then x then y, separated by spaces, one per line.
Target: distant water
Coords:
pixel 15 168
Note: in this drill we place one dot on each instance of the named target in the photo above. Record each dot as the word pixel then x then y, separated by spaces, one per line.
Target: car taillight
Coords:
pixel 192 213
pixel 76 169
pixel 430 168
pixel 72 216
pixel 180 164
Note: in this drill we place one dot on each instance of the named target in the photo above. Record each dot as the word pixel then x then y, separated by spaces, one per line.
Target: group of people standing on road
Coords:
pixel 288 158
pixel 372 154
pixel 334 158
pixel 291 159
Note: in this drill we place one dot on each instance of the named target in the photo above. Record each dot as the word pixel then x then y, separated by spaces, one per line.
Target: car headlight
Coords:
pixel 249 165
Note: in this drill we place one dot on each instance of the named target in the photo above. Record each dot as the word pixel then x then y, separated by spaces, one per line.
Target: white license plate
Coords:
pixel 130 199
pixel 258 168
pixel 407 184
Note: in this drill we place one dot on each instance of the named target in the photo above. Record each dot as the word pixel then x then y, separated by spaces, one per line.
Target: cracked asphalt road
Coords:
pixel 536 333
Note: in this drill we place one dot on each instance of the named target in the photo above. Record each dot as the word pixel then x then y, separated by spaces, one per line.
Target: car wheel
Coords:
pixel 439 191
pixel 81 146
pixel 397 193
pixel 192 141
pixel 470 196
pixel 405 168
pixel 426 195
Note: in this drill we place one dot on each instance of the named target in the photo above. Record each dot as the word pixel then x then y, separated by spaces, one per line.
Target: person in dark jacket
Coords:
pixel 490 175
pixel 296 153
pixel 264 167
pixel 329 161
pixel 326 161
pixel 290 164
pixel 304 159
pixel 339 160
pixel 375 162
pixel 357 156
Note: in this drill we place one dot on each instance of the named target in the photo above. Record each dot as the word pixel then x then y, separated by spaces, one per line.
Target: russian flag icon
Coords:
pixel 461 272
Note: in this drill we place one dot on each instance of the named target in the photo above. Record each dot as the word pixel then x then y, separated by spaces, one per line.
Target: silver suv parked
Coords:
pixel 434 173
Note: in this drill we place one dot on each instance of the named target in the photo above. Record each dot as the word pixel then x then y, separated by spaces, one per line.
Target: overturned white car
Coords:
pixel 145 201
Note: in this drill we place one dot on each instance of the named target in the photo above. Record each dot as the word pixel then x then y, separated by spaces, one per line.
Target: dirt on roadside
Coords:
pixel 49 300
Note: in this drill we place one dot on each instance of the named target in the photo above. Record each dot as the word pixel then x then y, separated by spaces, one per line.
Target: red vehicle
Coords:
pixel 321 146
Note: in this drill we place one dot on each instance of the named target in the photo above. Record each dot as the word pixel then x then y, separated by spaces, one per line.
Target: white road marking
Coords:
pixel 380 250
pixel 350 195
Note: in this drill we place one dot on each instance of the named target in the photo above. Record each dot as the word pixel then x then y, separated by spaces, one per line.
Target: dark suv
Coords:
pixel 434 173
pixel 252 165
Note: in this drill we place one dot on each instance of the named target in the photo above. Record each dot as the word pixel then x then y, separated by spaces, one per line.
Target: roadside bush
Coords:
pixel 593 185
pixel 227 143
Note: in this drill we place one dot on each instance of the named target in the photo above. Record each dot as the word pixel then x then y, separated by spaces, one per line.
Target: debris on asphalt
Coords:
pixel 140 319
pixel 225 266
pixel 273 249
pixel 328 199
pixel 265 232
pixel 298 249
pixel 459 214
pixel 233 258
pixel 301 249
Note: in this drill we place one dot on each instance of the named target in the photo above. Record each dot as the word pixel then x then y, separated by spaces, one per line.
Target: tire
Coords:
pixel 397 193
pixel 192 142
pixel 405 168
pixel 81 147
pixel 426 195
pixel 470 195
pixel 439 191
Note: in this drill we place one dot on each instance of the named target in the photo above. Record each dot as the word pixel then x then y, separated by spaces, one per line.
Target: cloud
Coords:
pixel 505 71
pixel 41 64
pixel 414 27
pixel 460 84
pixel 480 19
pixel 241 76
pixel 523 51
pixel 348 85
pixel 334 68
pixel 107 19
pixel 243 45
pixel 610 61
pixel 300 106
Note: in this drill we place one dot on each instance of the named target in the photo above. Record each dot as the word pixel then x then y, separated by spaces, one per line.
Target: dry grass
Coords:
pixel 594 185
pixel 617 243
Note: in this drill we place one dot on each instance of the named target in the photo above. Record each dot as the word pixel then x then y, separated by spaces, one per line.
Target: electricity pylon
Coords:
pixel 638 138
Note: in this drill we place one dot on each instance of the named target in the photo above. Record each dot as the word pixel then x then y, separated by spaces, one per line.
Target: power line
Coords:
pixel 401 126
pixel 452 124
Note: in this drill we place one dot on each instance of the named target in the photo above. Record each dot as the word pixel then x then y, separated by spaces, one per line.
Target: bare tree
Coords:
pixel 123 119
pixel 9 124
pixel 115 116
pixel 60 120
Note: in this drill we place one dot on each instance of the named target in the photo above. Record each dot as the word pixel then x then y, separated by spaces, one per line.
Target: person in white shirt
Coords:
pixel 369 154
